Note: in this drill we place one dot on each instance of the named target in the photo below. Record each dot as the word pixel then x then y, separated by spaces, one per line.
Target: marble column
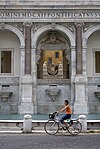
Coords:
pixel 78 28
pixel 27 49
pixel 80 104
pixel 26 80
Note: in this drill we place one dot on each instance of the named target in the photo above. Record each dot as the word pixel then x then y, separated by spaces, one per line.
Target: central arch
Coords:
pixel 45 28
pixel 42 101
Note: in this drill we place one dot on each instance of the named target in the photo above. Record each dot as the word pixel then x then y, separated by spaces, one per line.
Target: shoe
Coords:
pixel 60 128
pixel 68 125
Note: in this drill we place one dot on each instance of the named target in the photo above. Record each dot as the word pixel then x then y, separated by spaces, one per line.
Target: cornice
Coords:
pixel 49 4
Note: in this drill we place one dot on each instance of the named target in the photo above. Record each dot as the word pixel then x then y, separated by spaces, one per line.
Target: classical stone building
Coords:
pixel 49 52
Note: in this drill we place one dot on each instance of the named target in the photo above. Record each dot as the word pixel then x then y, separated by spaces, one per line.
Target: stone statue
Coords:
pixel 45 65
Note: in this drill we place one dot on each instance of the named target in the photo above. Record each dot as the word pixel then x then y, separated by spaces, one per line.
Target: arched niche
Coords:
pixel 53 55
pixel 15 30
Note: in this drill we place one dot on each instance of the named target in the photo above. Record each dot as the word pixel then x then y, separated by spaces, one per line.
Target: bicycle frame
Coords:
pixel 74 126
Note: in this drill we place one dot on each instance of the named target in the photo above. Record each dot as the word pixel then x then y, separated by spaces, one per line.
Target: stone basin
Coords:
pixel 97 94
pixel 5 95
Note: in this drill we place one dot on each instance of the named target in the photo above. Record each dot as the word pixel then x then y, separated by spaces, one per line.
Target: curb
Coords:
pixel 43 131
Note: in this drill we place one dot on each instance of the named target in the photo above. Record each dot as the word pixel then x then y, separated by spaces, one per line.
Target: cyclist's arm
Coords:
pixel 63 109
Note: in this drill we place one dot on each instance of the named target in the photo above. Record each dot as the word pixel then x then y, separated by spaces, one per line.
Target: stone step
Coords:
pixel 16 125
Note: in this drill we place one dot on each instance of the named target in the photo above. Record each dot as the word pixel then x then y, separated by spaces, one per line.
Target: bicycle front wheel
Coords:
pixel 75 128
pixel 51 127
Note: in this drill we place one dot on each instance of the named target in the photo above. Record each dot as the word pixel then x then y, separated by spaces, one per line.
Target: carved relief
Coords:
pixel 71 28
pixel 53 37
pixel 21 28
pixel 52 69
pixel 36 26
pixel 53 26
pixel 87 26
pixel 53 92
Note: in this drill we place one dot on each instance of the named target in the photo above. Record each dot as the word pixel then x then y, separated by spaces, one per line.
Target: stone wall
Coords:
pixel 45 101
pixel 10 104
pixel 93 100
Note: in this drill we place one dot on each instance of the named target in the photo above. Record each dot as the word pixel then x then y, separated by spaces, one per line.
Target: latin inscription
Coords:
pixel 45 15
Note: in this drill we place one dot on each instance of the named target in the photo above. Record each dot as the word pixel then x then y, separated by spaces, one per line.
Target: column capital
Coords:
pixel 79 24
pixel 27 24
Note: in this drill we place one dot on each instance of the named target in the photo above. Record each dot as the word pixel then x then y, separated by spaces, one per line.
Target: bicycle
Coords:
pixel 52 126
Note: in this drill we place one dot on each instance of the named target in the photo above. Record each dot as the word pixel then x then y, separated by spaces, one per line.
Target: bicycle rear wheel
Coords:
pixel 75 128
pixel 51 127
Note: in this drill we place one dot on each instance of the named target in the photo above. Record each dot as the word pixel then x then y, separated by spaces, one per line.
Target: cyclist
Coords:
pixel 68 111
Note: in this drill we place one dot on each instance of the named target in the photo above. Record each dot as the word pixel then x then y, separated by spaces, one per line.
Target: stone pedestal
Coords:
pixel 27 123
pixel 83 121
pixel 26 95
pixel 80 104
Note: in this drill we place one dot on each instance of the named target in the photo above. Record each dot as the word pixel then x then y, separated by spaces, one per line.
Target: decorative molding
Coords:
pixel 36 26
pixel 2 25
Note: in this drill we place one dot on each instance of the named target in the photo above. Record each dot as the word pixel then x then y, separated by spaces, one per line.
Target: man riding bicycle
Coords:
pixel 68 111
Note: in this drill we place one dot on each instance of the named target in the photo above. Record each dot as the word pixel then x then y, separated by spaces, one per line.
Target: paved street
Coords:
pixel 44 141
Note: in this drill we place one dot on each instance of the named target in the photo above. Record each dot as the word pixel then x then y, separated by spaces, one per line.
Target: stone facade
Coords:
pixel 25 32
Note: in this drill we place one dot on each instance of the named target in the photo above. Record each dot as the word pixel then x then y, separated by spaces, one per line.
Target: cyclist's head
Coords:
pixel 66 102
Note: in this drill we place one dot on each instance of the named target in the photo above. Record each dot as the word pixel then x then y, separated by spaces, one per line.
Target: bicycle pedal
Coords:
pixel 64 128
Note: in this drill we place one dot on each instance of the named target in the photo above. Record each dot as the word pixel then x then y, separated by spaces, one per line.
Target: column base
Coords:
pixel 80 105
pixel 26 108
pixel 80 108
pixel 26 105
